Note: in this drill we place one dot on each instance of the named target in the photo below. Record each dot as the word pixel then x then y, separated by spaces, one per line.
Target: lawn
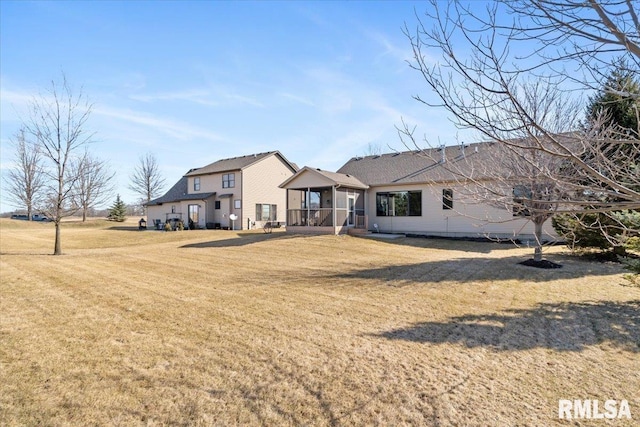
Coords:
pixel 215 327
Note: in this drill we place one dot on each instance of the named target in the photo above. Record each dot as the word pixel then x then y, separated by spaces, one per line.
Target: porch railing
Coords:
pixel 323 217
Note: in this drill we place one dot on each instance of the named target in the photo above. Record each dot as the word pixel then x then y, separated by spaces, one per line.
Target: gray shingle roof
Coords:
pixel 179 192
pixel 237 163
pixel 335 177
pixel 412 167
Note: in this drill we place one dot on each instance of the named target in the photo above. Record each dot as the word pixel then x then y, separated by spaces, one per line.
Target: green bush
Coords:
pixel 573 230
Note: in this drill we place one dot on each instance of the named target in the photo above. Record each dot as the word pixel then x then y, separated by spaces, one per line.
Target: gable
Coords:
pixel 309 177
pixel 238 163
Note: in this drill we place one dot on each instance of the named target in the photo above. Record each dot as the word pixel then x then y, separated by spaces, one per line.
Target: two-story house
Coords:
pixel 245 188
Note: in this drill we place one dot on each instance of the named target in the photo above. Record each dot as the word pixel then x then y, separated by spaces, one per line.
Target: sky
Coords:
pixel 195 81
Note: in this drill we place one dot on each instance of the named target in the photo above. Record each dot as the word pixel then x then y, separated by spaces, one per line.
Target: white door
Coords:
pixel 351 212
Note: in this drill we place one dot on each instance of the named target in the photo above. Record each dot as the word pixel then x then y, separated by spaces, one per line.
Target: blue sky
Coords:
pixel 194 82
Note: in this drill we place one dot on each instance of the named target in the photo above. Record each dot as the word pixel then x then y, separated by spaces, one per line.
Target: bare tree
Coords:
pixel 93 184
pixel 146 179
pixel 57 124
pixel 484 86
pixel 524 182
pixel 25 181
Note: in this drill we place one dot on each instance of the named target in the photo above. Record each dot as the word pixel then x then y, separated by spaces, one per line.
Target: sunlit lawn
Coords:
pixel 217 327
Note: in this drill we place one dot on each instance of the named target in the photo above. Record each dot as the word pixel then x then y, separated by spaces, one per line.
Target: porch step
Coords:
pixel 357 231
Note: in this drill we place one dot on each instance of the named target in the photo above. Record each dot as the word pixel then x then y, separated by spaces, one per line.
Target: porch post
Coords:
pixel 307 200
pixel 333 209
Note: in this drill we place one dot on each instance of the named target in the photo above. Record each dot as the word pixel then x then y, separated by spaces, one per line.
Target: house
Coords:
pixel 246 186
pixel 402 192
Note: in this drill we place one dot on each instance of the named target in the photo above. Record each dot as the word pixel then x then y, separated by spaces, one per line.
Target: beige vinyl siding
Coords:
pixel 260 185
pixel 464 220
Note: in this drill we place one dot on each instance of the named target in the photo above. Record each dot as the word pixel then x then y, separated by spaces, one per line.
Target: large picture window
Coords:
pixel 228 180
pixel 400 203
pixel 266 212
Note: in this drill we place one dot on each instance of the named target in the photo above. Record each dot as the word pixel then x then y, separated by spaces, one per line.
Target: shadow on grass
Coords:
pixel 240 240
pixel 479 245
pixel 464 270
pixel 559 327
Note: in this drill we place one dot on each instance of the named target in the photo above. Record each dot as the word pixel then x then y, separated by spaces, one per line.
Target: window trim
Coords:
pixel 395 203
pixel 447 199
pixel 273 212
pixel 228 180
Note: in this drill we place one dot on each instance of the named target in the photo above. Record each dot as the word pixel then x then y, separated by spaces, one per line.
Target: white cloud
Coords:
pixel 296 98
pixel 176 129
pixel 197 96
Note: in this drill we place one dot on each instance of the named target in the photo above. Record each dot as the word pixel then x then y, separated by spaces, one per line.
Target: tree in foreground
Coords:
pixel 146 179
pixel 25 181
pixel 57 125
pixel 522 183
pixel 117 211
pixel 482 82
pixel 93 184
pixel 618 104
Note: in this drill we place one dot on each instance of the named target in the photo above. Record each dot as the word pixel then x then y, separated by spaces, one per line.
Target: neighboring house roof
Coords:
pixel 238 163
pixel 412 167
pixel 179 192
pixel 326 177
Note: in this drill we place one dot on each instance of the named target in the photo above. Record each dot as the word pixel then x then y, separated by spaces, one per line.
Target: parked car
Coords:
pixel 39 217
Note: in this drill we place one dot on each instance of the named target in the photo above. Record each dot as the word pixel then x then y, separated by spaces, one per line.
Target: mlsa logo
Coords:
pixel 592 409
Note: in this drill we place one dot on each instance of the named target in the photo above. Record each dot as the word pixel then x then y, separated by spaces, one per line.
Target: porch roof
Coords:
pixel 313 177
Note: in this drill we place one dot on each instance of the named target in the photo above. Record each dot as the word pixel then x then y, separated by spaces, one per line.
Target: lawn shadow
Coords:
pixel 478 269
pixel 475 245
pixel 559 327
pixel 241 239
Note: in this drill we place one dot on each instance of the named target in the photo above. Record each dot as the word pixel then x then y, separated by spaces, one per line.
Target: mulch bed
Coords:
pixel 540 264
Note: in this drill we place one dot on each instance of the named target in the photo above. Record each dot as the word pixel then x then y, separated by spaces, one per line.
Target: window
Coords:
pixel 522 196
pixel 228 180
pixel 217 204
pixel 266 212
pixel 447 199
pixel 237 204
pixel 196 183
pixel 401 203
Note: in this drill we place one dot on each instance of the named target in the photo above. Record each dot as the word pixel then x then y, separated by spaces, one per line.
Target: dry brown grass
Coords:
pixel 226 328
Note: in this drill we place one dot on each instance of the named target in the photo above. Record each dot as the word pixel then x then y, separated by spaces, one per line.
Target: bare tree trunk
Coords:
pixel 58 247
pixel 537 255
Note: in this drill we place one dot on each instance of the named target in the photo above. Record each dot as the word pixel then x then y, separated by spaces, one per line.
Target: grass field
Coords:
pixel 243 328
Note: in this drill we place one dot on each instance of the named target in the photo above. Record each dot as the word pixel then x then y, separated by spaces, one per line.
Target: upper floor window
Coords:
pixel 228 180
pixel 196 183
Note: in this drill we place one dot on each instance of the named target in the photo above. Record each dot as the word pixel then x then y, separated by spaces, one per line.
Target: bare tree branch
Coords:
pixel 58 126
